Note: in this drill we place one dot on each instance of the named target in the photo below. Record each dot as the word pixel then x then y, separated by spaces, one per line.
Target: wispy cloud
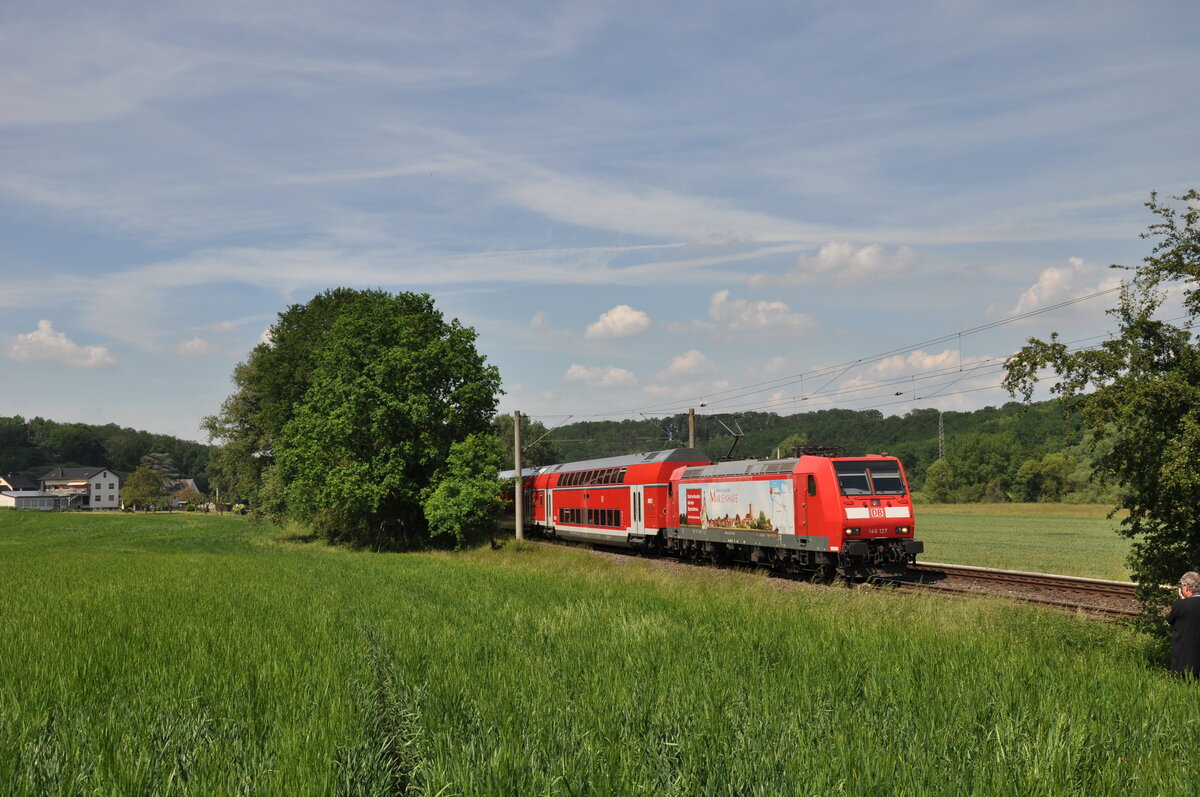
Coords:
pixel 194 347
pixel 600 376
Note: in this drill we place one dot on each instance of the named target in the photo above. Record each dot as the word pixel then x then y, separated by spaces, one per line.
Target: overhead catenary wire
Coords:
pixel 748 397
pixel 782 381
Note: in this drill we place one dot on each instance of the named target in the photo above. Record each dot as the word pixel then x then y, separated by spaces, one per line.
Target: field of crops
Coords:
pixel 1072 539
pixel 187 654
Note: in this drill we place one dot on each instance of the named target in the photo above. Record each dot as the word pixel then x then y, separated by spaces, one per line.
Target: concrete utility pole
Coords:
pixel 518 479
pixel 691 427
pixel 941 437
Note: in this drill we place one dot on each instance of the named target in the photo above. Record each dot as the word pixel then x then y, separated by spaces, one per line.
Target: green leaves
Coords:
pixel 466 502
pixel 346 417
pixel 145 487
pixel 1139 393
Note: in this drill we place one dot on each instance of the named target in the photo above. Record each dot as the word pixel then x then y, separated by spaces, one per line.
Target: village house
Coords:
pixel 83 488
pixel 21 492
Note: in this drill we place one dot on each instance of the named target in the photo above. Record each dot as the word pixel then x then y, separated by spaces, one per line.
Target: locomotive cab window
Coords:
pixel 869 478
pixel 886 478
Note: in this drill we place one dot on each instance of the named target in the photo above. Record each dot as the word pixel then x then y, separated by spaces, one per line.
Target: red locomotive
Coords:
pixel 830 515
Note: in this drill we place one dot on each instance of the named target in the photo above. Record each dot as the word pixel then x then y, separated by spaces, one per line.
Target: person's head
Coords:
pixel 1190 583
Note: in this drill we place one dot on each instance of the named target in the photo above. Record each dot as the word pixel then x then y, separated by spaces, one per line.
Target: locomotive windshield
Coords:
pixel 870 477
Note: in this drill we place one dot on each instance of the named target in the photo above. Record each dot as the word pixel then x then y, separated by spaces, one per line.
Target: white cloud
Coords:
pixel 607 376
pixel 921 376
pixel 742 316
pixel 1059 284
pixel 44 345
pixel 540 321
pixel 620 322
pixel 689 364
pixel 843 262
pixel 914 362
pixel 194 347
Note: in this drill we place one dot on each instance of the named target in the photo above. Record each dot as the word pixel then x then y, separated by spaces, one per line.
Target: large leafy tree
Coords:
pixel 1139 394
pixel 345 417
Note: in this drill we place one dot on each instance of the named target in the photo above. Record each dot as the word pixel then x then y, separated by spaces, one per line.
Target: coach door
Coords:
pixel 550 510
pixel 637 504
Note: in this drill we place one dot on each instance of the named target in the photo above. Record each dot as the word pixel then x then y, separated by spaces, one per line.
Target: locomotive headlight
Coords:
pixel 853 530
pixel 903 530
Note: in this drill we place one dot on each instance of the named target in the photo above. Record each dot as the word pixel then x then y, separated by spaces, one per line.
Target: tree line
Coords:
pixel 1015 452
pixel 35 446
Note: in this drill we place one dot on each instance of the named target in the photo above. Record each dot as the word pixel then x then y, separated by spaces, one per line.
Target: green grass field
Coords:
pixel 199 655
pixel 1072 539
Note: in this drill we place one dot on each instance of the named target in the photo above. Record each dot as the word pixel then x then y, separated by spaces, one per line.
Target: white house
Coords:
pixel 28 499
pixel 83 488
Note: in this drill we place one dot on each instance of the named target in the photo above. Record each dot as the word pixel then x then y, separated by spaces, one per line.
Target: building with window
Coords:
pixel 16 483
pixel 83 488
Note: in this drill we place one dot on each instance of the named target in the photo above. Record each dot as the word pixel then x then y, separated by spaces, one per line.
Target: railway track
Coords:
pixel 1109 598
pixel 1095 596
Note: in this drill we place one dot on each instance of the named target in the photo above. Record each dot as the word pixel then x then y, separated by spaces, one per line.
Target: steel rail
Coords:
pixel 1051 581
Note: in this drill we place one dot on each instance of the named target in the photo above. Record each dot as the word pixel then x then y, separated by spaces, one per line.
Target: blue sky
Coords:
pixel 639 207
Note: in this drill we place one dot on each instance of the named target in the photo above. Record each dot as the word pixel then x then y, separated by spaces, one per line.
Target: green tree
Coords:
pixel 388 387
pixel 537 444
pixel 144 487
pixel 76 442
pixel 162 462
pixel 268 386
pixel 790 444
pixel 466 502
pixel 978 459
pixel 1139 395
pixel 940 483
pixel 1027 484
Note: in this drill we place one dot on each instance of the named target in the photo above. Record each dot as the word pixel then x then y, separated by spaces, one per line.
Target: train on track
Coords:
pixel 814 513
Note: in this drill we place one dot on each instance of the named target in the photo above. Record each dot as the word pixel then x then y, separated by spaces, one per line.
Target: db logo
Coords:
pixel 876 511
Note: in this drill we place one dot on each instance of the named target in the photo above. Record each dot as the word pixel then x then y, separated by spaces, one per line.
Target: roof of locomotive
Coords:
pixel 648 458
pixel 753 467
pixel 742 467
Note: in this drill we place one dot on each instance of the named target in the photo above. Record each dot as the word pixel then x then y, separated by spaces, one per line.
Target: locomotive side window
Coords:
pixel 812 484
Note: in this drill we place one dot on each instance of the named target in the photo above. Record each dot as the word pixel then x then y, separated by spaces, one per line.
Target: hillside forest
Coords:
pixel 35 446
pixel 1015 452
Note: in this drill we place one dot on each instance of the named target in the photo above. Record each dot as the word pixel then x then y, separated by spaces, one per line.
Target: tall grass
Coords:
pixel 173 655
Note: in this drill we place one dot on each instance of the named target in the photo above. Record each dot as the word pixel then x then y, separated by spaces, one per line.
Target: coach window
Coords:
pixel 621 475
